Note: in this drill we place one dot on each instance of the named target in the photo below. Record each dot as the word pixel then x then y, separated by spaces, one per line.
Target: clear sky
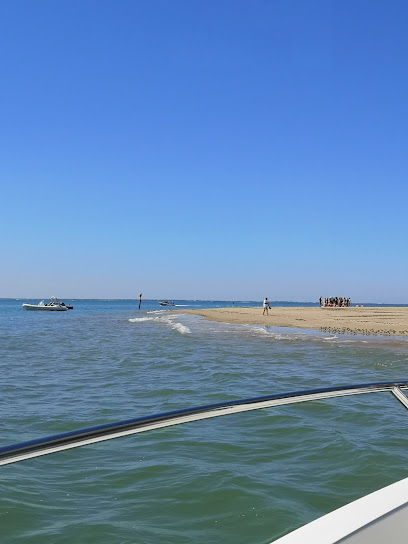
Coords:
pixel 205 149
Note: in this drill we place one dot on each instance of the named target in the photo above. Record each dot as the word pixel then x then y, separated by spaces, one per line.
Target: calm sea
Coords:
pixel 244 478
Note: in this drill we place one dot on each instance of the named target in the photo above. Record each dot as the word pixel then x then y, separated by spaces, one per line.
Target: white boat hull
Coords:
pixel 55 308
pixel 377 518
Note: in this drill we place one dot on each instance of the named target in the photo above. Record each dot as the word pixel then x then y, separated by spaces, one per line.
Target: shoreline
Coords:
pixel 384 321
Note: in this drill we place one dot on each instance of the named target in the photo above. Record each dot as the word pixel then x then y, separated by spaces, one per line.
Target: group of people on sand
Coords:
pixel 334 302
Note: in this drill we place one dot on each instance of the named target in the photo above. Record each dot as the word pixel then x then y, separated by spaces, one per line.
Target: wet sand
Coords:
pixel 386 321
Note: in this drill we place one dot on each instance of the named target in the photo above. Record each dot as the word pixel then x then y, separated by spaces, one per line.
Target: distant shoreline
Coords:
pixel 370 320
pixel 234 303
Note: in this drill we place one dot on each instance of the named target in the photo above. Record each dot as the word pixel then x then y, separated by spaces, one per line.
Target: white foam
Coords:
pixel 270 334
pixel 169 319
pixel 262 331
pixel 291 335
pixel 180 328
pixel 166 319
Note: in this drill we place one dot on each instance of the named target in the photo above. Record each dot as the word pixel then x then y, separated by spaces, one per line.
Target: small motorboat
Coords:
pixel 166 303
pixel 54 305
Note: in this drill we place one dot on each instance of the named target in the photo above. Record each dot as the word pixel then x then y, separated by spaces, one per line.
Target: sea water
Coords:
pixel 243 478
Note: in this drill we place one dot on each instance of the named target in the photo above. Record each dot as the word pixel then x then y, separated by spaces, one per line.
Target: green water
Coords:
pixel 244 478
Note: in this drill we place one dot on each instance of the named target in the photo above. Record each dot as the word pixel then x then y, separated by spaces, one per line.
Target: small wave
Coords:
pixel 169 320
pixel 166 320
pixel 180 328
pixel 280 333
pixel 263 331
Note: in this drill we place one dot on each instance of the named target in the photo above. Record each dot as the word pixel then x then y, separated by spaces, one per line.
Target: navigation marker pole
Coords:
pixel 140 299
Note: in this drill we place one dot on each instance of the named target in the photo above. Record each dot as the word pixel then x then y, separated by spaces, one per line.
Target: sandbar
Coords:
pixel 387 321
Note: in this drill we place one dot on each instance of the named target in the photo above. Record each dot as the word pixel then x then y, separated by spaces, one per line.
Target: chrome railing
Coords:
pixel 100 433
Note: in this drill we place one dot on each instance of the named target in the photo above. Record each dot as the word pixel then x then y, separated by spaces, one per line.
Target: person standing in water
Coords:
pixel 265 306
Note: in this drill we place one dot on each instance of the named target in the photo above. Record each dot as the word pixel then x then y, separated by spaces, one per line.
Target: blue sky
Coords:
pixel 204 149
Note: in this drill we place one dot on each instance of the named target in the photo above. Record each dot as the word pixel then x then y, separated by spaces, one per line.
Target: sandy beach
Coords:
pixel 387 321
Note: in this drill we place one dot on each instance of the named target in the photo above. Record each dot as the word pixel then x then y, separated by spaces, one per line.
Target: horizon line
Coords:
pixel 201 300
